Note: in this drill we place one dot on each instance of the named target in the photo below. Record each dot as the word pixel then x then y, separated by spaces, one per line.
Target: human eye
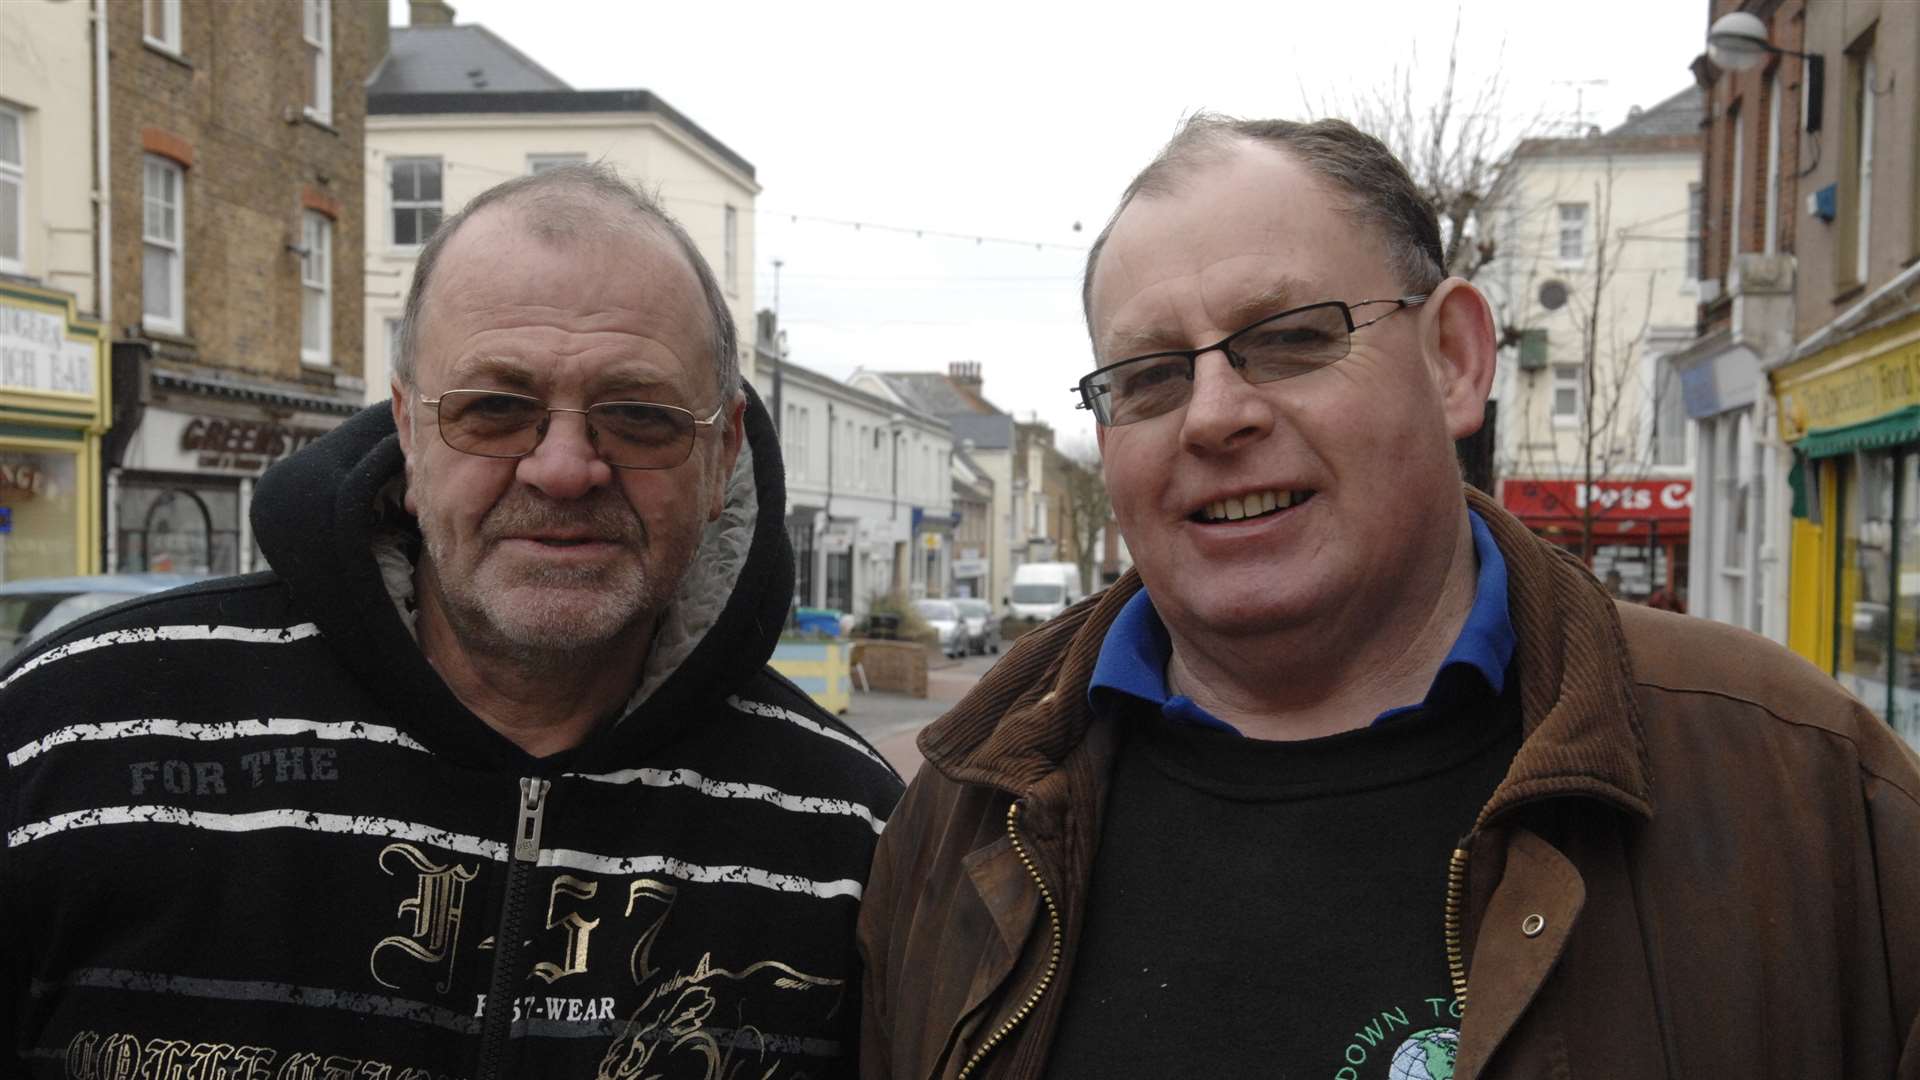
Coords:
pixel 641 423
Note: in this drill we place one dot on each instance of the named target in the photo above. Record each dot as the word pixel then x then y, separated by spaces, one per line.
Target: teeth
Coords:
pixel 1251 505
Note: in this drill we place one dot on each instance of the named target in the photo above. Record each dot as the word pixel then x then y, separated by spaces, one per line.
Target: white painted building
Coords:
pixel 454 110
pixel 869 490
pixel 1008 453
pixel 1593 293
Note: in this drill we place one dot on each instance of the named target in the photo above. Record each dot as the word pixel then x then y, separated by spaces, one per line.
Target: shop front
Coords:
pixel 54 406
pixel 181 483
pixel 1851 415
pixel 1635 531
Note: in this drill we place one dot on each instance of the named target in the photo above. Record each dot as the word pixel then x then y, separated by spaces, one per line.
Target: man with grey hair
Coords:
pixel 487 777
pixel 1355 777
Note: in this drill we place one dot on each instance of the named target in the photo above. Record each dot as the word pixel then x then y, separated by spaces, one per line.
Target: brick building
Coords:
pixel 235 146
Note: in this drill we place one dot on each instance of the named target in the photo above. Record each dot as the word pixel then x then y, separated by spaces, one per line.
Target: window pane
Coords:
pixel 429 221
pixel 402 181
pixel 404 229
pixel 428 182
pixel 1906 653
pixel 314 58
pixel 1866 580
pixel 157 282
pixel 9 218
pixel 9 137
pixel 313 315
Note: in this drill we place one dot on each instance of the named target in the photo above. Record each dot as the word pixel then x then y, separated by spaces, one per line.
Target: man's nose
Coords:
pixel 565 465
pixel 1225 411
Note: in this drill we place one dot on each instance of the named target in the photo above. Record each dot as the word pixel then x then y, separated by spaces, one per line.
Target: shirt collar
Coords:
pixel 1133 656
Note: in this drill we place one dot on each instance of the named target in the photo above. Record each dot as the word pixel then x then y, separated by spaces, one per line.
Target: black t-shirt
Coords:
pixel 1275 909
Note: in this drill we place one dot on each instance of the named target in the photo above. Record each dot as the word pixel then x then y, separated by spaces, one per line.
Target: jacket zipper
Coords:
pixel 1053 954
pixel 532 807
pixel 1456 897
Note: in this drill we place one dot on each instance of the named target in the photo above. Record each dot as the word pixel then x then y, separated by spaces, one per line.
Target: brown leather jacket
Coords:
pixel 1704 862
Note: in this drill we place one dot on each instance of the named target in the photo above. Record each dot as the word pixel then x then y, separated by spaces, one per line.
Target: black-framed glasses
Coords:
pixel 1294 342
pixel 626 434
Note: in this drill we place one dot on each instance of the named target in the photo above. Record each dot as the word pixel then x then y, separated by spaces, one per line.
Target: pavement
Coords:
pixel 891 721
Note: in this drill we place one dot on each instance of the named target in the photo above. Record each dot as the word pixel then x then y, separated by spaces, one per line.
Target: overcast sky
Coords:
pixel 1015 121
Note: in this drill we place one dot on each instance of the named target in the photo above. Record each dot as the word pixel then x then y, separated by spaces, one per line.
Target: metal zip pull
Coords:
pixel 533 806
pixel 1453 927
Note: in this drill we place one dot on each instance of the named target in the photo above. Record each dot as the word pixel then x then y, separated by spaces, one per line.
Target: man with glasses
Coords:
pixel 488 777
pixel 1355 777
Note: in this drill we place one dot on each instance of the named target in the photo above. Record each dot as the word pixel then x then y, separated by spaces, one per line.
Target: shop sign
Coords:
pixel 182 442
pixel 1836 393
pixel 37 356
pixel 930 541
pixel 1645 500
pixel 969 568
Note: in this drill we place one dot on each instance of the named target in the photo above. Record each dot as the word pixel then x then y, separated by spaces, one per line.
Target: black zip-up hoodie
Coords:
pixel 250 833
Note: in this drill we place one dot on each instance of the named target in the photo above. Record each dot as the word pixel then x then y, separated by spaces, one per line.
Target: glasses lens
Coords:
pixel 1141 388
pixel 636 435
pixel 1293 344
pixel 490 424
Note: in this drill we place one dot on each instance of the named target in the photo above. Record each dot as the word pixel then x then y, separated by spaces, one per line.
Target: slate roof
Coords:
pixel 970 415
pixel 456 59
pixel 1680 114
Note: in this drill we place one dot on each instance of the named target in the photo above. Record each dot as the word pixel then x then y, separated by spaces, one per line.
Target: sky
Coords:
pixel 984 145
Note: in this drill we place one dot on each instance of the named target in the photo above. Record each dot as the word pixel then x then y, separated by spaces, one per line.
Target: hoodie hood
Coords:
pixel 320 515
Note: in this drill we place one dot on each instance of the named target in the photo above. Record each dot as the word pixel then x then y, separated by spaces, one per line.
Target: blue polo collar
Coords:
pixel 1133 658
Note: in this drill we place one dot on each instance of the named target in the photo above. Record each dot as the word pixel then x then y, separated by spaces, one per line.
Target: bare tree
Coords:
pixel 1088 510
pixel 1454 139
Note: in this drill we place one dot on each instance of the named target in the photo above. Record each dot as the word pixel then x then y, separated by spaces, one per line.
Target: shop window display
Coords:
pixel 40 500
pixel 1905 713
pixel 1863 638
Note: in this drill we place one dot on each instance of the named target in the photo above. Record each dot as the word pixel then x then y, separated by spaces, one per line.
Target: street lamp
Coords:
pixel 1737 41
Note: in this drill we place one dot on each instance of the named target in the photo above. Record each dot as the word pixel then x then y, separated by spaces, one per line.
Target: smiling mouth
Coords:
pixel 1258 505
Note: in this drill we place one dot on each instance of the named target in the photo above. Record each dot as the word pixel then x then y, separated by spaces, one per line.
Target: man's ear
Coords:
pixel 402 404
pixel 733 433
pixel 1460 348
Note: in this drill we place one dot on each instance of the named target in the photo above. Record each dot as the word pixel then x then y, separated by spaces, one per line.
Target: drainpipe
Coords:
pixel 103 247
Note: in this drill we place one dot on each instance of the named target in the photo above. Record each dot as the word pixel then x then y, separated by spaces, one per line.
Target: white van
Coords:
pixel 1044 589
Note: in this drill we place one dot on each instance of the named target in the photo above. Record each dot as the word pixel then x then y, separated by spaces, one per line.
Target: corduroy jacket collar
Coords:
pixel 1021 724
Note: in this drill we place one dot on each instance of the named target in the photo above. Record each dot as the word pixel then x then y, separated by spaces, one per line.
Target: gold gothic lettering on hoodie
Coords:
pixel 437 906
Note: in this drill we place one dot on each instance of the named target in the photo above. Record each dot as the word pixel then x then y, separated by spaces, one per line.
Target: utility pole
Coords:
pixel 780 360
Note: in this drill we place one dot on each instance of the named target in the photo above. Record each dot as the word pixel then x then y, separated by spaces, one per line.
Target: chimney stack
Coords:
pixel 965 374
pixel 430 13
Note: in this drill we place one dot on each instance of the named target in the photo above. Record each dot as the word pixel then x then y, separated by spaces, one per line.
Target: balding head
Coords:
pixel 561 207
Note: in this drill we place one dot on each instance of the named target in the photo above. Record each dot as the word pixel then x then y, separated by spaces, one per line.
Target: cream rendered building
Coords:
pixel 455 110
pixel 47 152
pixel 1592 266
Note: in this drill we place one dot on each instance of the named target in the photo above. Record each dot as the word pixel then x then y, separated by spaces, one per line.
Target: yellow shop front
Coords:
pixel 1851 414
pixel 54 407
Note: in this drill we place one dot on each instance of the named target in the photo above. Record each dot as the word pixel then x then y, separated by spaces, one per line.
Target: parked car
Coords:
pixel 983 628
pixel 32 608
pixel 947 624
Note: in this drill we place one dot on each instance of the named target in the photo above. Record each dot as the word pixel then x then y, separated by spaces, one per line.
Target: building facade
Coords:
pixel 1009 453
pixel 54 385
pixel 1593 292
pixel 456 110
pixel 1745 225
pixel 1847 395
pixel 233 139
pixel 870 491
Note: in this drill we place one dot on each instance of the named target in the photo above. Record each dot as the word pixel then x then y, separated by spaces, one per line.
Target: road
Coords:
pixel 890 721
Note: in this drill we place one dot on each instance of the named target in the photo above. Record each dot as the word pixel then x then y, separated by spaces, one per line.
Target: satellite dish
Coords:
pixel 1553 295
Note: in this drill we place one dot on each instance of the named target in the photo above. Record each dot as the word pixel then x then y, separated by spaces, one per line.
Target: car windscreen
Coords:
pixel 935 611
pixel 1038 594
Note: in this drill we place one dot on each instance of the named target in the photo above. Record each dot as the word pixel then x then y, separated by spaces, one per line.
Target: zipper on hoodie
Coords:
pixel 1456 900
pixel 525 853
pixel 1053 953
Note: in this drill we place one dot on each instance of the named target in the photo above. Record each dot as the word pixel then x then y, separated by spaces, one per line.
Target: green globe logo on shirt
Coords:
pixel 1426 1055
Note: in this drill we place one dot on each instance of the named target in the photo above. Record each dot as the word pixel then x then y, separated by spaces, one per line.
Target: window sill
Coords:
pixel 1848 291
pixel 161 48
pixel 169 334
pixel 318 363
pixel 316 120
